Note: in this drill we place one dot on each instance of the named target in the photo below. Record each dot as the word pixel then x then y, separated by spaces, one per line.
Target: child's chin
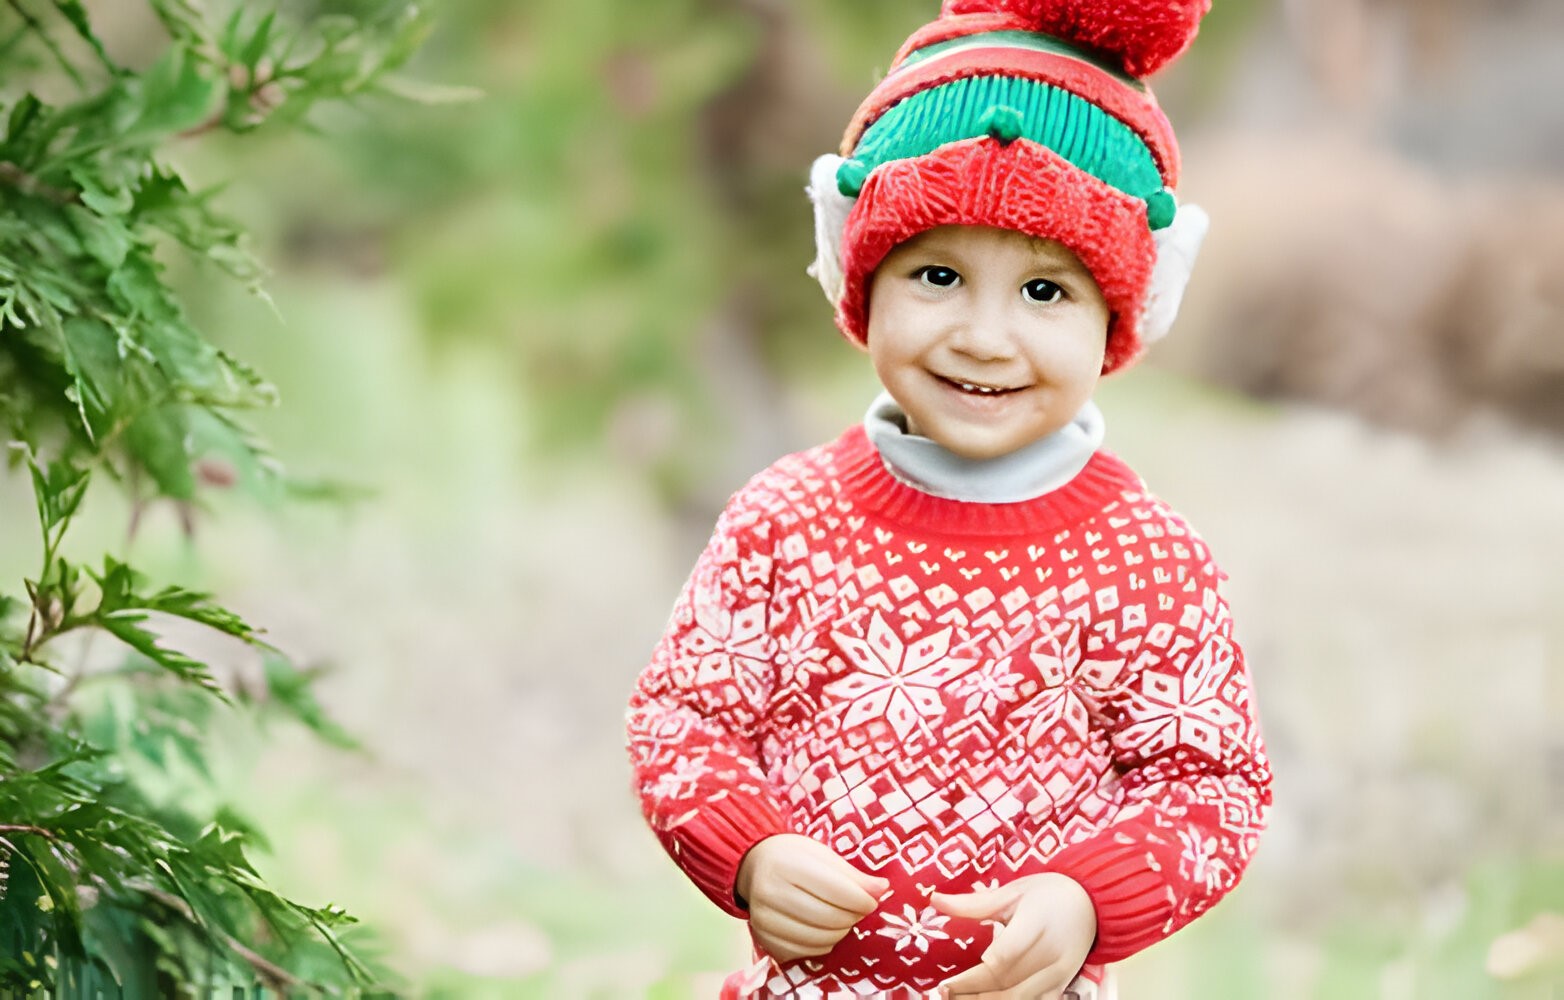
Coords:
pixel 978 440
pixel 983 451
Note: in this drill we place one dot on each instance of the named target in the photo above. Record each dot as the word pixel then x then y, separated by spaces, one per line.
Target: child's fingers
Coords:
pixel 786 938
pixel 871 886
pixel 1018 955
pixel 840 884
pixel 989 904
pixel 815 912
pixel 844 894
pixel 973 982
pixel 875 885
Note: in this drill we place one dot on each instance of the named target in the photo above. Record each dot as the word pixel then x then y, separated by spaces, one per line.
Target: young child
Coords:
pixel 951 705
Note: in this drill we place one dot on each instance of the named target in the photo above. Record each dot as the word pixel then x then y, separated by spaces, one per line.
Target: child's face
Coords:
pixel 987 338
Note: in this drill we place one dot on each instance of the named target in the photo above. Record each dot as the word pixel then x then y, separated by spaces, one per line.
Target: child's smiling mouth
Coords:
pixel 979 388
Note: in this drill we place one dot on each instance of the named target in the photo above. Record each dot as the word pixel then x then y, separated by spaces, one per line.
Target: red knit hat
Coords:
pixel 1029 115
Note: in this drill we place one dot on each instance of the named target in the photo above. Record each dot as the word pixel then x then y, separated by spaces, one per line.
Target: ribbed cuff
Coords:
pixel 1128 883
pixel 710 846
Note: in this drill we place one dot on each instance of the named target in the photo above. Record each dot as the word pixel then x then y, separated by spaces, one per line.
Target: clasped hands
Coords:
pixel 804 897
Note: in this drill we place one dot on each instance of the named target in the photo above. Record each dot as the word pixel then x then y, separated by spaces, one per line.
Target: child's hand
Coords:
pixel 1049 927
pixel 803 897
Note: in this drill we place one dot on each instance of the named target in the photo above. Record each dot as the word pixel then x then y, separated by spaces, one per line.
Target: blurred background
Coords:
pixel 551 327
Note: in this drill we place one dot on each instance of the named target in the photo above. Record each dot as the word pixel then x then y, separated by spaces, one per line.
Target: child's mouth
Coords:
pixel 978 388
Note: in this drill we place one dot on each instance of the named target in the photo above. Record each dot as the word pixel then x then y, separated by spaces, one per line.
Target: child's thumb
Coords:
pixel 985 904
pixel 874 885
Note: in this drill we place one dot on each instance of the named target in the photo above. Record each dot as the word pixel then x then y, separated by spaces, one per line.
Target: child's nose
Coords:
pixel 984 334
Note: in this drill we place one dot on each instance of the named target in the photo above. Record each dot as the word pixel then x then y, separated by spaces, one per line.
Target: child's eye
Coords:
pixel 1041 290
pixel 939 277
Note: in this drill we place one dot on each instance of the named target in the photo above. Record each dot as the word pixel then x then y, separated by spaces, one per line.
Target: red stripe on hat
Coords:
pixel 946 28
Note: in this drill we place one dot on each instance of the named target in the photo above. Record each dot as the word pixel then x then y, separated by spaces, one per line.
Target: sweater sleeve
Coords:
pixel 692 720
pixel 1194 777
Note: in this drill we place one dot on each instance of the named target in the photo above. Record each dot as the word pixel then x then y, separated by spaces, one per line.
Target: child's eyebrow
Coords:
pixel 1052 258
pixel 926 247
pixel 1048 257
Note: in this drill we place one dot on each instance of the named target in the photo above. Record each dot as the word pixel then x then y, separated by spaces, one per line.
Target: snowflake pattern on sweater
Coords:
pixel 953 695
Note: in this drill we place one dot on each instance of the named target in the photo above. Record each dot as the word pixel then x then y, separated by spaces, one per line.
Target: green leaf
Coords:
pixel 104 237
pixel 229 41
pixel 225 847
pixel 138 289
pixel 51 236
pixel 189 748
pixel 78 817
pixel 177 93
pixel 158 438
pixel 102 199
pixel 117 586
pixel 58 488
pixel 292 689
pixel 183 20
pixel 121 589
pixel 24 114
pixel 92 358
pixel 126 626
pixel 76 14
pixel 231 819
pixel 256 48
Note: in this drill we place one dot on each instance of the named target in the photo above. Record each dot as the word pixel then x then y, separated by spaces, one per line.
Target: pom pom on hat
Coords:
pixel 1142 36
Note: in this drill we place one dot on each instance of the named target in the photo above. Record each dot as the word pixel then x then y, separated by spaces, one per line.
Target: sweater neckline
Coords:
pixel 872 487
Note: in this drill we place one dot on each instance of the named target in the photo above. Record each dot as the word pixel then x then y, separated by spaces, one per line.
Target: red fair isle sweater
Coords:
pixel 952 695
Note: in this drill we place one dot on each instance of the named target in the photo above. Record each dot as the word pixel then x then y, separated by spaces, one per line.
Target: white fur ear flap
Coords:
pixel 1177 247
pixel 831 210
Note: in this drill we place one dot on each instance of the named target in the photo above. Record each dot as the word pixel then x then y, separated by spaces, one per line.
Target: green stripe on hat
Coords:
pixel 1009 108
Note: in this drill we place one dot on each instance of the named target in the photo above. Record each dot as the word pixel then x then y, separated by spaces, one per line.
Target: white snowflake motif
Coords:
pixel 898 683
pixel 1186 709
pixel 726 646
pixel 985 690
pixel 1202 859
pixel 800 655
pixel 1059 667
pixel 916 928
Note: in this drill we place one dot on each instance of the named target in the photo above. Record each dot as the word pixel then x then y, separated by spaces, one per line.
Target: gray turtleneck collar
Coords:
pixel 1023 474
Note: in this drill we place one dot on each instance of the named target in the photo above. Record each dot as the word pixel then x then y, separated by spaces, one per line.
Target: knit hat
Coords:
pixel 1031 115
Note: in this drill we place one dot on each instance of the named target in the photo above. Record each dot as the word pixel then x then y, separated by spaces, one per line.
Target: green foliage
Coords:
pixel 115 878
